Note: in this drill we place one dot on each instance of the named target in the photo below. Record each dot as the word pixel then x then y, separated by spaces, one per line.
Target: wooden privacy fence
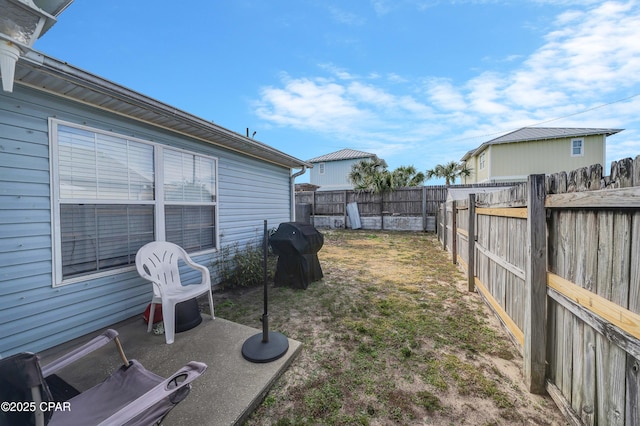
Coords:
pixel 557 260
pixel 415 202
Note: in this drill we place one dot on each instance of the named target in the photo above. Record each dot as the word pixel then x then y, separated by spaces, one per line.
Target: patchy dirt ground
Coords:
pixel 391 336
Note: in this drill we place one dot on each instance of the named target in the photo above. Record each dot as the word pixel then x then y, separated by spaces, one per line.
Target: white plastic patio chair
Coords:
pixel 157 262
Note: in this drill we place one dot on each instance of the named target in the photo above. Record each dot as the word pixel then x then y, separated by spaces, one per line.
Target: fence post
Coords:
pixel 382 210
pixel 313 209
pixel 535 298
pixel 344 208
pixel 454 232
pixel 471 251
pixel 444 225
pixel 424 208
pixel 438 223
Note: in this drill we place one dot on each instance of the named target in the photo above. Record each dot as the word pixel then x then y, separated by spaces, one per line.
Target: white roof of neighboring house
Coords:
pixel 59 78
pixel 343 154
pixel 541 133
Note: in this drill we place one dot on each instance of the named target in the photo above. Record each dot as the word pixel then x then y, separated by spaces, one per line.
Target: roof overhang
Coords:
pixel 50 75
pixel 567 133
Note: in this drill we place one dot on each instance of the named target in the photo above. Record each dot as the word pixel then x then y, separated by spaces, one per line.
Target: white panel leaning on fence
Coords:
pixel 557 261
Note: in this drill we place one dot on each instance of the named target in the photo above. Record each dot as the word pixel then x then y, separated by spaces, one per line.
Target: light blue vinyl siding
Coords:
pixel 335 175
pixel 34 315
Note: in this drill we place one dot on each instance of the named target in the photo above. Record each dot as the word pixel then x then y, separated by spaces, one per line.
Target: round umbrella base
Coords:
pixel 255 350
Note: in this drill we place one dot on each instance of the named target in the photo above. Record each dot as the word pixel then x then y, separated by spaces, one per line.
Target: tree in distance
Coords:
pixel 373 175
pixel 449 171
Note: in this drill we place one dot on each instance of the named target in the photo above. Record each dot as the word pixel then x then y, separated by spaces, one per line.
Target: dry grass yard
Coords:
pixel 391 336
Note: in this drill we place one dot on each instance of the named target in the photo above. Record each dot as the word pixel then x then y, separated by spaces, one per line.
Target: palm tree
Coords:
pixel 369 175
pixel 449 171
pixel 372 175
pixel 405 176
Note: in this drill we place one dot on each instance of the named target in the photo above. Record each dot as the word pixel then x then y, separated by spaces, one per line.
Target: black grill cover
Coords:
pixel 297 245
pixel 296 238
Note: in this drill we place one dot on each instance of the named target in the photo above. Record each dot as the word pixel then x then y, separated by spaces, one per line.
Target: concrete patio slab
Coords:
pixel 225 394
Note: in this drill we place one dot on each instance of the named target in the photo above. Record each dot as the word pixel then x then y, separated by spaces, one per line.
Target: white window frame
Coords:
pixel 321 168
pixel 581 140
pixel 158 202
pixel 482 158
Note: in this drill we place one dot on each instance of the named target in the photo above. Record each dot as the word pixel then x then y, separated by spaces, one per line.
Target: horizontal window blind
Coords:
pixel 188 177
pixel 102 167
pixel 99 237
pixel 105 203
pixel 191 227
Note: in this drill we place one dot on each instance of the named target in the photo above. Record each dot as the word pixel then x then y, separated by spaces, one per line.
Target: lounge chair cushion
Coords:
pixel 101 401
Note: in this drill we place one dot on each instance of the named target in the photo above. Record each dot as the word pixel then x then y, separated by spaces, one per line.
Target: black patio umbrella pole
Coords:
pixel 265 297
pixel 265 347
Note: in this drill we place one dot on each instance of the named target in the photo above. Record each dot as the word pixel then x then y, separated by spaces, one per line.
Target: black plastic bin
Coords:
pixel 297 245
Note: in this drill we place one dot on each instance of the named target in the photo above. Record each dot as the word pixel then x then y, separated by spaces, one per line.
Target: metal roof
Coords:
pixel 343 154
pixel 541 133
pixel 43 73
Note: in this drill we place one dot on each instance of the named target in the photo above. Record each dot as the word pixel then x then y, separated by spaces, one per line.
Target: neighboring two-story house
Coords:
pixel 331 171
pixel 533 150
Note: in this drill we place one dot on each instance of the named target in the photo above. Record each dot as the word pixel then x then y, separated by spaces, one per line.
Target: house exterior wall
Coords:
pixel 515 161
pixel 549 156
pixel 335 175
pixel 34 315
pixel 478 174
pixel 484 172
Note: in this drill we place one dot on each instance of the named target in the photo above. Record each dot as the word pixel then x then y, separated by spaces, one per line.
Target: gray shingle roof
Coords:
pixel 343 154
pixel 541 133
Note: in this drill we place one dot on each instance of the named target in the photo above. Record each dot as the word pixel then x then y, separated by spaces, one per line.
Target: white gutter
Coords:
pixel 293 191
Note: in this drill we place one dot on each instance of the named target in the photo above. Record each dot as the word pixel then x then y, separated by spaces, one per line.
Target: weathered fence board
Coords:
pixel 632 414
pixel 471 242
pixel 536 289
pixel 591 232
pixel 613 198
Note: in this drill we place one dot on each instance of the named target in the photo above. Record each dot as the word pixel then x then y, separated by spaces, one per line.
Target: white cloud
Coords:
pixel 307 104
pixel 344 17
pixel 337 71
pixel 355 112
pixel 381 7
pixel 444 95
pixel 485 94
pixel 370 94
pixel 396 78
pixel 590 56
pixel 592 52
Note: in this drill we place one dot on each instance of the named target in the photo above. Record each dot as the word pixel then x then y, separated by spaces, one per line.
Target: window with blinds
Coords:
pixel 108 191
pixel 189 194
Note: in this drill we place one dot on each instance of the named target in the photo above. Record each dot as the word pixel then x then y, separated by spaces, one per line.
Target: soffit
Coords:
pixel 47 74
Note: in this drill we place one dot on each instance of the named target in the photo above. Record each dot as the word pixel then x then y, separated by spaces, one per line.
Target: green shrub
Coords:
pixel 243 267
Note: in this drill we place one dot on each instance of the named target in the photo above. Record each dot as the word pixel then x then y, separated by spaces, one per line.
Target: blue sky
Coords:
pixel 417 82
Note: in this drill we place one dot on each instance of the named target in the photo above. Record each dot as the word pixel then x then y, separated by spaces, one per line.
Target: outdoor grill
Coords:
pixel 297 245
